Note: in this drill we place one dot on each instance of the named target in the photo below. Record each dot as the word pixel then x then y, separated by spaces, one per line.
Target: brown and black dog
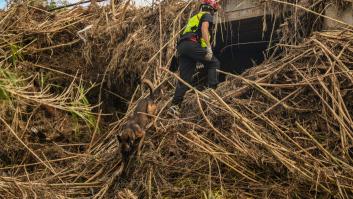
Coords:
pixel 133 134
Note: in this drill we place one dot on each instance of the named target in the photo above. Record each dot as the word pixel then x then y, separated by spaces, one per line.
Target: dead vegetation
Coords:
pixel 282 129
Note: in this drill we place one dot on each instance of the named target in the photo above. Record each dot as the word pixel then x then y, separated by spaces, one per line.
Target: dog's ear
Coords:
pixel 152 109
pixel 140 133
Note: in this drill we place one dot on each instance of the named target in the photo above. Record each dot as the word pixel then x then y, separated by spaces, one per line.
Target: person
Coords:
pixel 194 46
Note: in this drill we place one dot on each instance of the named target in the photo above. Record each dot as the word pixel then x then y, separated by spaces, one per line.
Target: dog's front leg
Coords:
pixel 139 148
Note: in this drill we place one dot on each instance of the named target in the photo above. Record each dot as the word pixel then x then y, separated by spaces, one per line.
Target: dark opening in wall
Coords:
pixel 242 44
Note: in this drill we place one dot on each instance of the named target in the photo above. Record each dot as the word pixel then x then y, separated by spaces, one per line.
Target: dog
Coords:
pixel 132 136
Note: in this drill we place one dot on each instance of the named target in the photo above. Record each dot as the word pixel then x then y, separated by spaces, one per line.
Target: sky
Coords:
pixel 138 2
pixel 141 2
pixel 2 4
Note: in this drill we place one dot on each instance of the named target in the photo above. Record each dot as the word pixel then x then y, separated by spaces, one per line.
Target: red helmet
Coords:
pixel 213 3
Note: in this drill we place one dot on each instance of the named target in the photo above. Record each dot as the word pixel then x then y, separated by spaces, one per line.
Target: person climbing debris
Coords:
pixel 194 46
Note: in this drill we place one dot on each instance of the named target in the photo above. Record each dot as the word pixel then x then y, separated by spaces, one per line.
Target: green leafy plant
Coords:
pixel 15 54
pixel 212 195
pixel 52 4
pixel 3 94
pixel 84 112
pixel 6 79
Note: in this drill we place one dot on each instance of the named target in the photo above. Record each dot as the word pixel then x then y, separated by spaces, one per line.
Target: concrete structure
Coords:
pixel 342 14
pixel 241 9
pixel 242 37
pixel 244 9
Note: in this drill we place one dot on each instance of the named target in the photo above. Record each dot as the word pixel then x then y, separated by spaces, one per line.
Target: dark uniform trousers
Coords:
pixel 189 53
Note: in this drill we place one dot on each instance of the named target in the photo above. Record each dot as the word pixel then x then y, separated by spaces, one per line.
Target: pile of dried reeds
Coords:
pixel 53 67
pixel 282 129
pixel 110 45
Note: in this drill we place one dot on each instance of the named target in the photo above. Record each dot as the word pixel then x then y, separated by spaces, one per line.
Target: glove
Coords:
pixel 209 54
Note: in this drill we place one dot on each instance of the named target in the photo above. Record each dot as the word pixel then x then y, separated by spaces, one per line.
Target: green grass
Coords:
pixel 6 78
pixel 81 101
pixel 15 54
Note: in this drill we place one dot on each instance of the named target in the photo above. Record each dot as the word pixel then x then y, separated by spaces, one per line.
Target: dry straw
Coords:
pixel 282 129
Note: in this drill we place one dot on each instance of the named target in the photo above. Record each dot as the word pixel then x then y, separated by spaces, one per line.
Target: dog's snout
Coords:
pixel 126 147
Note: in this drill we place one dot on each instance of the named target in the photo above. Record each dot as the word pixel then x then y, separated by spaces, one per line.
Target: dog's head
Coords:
pixel 125 148
pixel 126 140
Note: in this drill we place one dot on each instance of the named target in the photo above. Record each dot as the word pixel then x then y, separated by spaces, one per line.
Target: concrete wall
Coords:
pixel 235 10
pixel 241 9
pixel 342 14
pixel 242 38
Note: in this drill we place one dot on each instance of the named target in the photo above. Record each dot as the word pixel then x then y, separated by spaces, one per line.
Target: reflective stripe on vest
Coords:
pixel 193 25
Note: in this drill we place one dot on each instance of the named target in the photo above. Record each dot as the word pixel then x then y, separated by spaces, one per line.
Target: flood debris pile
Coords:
pixel 281 129
pixel 62 76
pixel 113 47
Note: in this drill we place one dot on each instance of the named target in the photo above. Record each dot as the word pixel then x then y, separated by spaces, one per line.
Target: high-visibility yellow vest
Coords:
pixel 193 25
